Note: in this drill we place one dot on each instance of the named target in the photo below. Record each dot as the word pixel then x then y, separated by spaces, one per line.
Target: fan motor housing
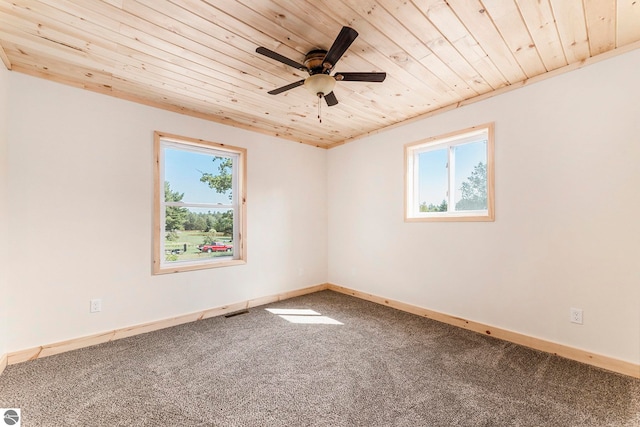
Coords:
pixel 313 62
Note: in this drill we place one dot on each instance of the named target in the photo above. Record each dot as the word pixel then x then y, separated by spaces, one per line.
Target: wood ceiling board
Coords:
pixel 213 51
pixel 628 22
pixel 149 90
pixel 137 51
pixel 541 25
pixel 198 57
pixel 570 20
pixel 162 103
pixel 391 57
pixel 97 64
pixel 443 78
pixel 442 16
pixel 601 25
pixel 507 19
pixel 476 19
pixel 5 58
pixel 416 22
pixel 174 101
pixel 189 61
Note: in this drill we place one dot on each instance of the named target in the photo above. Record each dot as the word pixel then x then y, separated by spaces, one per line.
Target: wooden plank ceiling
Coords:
pixel 198 56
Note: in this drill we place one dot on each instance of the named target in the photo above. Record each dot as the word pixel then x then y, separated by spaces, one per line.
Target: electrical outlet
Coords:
pixel 95 305
pixel 575 315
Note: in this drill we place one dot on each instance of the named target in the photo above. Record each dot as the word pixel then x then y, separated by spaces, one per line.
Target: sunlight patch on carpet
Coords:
pixel 303 316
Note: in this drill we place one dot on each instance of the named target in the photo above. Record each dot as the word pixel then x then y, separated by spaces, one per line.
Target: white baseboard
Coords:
pixel 605 362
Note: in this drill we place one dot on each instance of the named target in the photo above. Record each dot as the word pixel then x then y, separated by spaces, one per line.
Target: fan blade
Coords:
pixel 361 77
pixel 331 99
pixel 340 45
pixel 274 55
pixel 286 88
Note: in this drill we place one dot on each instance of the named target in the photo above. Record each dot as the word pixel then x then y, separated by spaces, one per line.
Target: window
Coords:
pixel 199 204
pixel 451 177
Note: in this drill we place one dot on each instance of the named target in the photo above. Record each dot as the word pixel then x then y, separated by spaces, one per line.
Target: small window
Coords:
pixel 451 177
pixel 199 204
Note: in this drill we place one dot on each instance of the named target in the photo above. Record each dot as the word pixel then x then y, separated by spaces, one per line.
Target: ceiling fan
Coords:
pixel 319 64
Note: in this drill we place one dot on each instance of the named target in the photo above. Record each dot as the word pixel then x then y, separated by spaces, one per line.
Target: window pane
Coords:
pixel 197 234
pixel 433 181
pixel 451 177
pixel 198 177
pixel 470 176
pixel 199 204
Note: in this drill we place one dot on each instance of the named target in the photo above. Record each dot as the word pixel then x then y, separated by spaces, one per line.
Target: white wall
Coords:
pixel 566 232
pixel 80 197
pixel 79 211
pixel 4 164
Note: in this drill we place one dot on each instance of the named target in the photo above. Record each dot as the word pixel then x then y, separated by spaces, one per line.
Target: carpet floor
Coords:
pixel 353 363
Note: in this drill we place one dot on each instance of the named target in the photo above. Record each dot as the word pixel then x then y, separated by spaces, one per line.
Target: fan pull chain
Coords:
pixel 319 107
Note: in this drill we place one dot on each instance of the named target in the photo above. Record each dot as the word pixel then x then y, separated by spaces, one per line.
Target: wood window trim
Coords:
pixel 452 217
pixel 158 228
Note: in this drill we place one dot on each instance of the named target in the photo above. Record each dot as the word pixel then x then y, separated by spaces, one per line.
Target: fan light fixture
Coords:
pixel 320 84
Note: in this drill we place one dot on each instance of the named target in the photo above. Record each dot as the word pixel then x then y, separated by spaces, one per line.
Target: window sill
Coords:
pixel 452 218
pixel 196 266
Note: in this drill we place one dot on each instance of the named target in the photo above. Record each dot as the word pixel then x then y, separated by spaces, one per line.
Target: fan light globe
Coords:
pixel 320 83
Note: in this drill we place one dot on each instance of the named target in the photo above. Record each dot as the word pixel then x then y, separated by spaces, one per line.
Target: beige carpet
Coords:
pixel 379 367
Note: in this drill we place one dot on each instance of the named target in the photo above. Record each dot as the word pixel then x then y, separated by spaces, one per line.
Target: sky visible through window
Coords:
pixel 183 170
pixel 434 174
